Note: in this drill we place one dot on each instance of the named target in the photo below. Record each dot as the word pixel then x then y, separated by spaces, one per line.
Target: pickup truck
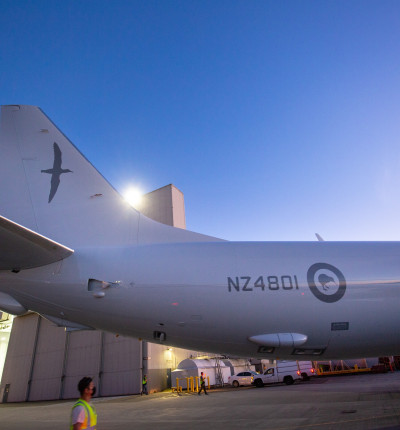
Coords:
pixel 306 370
pixel 281 372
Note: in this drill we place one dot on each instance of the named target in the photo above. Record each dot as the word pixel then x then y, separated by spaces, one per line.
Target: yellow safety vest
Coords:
pixel 90 415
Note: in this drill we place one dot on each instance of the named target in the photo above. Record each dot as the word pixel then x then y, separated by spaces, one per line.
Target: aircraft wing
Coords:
pixel 21 248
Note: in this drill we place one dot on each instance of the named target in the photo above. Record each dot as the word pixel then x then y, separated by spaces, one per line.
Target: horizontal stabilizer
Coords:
pixel 21 248
pixel 68 325
pixel 10 305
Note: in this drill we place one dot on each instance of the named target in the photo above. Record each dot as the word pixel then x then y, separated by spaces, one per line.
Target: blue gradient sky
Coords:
pixel 277 119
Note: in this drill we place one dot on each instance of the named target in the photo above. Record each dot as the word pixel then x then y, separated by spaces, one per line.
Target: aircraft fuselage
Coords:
pixel 343 297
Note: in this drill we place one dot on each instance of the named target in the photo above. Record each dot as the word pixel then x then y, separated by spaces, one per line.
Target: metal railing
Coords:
pixel 192 384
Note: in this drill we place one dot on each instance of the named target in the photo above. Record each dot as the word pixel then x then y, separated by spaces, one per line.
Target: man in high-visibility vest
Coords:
pixel 202 383
pixel 83 415
pixel 144 385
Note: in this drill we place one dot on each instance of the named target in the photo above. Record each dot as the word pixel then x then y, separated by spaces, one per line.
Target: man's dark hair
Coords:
pixel 84 383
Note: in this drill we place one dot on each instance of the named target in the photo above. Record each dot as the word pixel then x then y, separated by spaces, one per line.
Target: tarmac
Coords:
pixel 363 401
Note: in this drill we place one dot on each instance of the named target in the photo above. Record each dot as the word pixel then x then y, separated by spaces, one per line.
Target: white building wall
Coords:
pixel 162 356
pixel 165 205
pixel 5 330
pixel 4 341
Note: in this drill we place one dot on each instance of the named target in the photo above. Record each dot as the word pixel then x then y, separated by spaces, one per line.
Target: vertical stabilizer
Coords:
pixel 47 185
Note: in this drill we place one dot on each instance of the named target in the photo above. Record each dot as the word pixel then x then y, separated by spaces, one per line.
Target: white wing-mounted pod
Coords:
pixel 277 340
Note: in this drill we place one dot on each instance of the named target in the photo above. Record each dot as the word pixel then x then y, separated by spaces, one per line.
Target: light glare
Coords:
pixel 133 196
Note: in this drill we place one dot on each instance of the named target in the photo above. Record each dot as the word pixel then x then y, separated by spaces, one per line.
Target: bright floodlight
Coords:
pixel 133 196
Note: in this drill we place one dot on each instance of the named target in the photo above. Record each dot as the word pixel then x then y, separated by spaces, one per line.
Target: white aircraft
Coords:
pixel 73 250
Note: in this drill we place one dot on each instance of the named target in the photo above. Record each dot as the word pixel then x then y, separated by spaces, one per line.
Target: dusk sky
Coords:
pixel 276 119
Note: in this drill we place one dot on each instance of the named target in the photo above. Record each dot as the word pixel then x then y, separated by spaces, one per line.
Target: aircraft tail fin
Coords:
pixel 49 187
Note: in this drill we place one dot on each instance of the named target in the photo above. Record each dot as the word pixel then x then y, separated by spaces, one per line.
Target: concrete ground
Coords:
pixel 347 402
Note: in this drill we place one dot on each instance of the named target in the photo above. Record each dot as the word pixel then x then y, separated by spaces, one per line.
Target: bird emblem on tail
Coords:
pixel 56 171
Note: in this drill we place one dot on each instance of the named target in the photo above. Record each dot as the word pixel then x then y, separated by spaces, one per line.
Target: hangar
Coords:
pixel 43 361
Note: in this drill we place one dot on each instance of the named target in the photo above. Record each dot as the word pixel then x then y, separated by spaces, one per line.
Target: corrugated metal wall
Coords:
pixel 44 362
pixel 20 354
pixel 47 366
pixel 82 359
pixel 122 362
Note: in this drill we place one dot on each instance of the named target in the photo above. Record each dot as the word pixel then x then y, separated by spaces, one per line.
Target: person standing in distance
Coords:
pixel 144 385
pixel 83 414
pixel 202 383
